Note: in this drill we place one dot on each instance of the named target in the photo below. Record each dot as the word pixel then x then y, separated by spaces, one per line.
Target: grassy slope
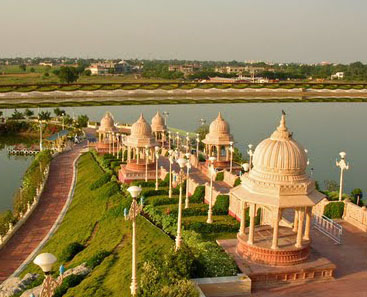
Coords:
pixel 98 223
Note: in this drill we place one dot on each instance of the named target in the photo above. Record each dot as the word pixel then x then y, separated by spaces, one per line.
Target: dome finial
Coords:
pixel 219 115
pixel 282 126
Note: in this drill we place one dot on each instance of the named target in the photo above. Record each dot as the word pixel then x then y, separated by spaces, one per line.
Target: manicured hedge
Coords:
pixel 69 282
pixel 220 176
pixel 198 196
pixel 201 227
pixel 97 259
pixel 100 182
pixel 237 182
pixel 221 205
pixel 71 251
pixel 334 210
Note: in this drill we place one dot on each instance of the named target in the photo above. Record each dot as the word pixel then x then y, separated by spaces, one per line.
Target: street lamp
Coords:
pixel 188 166
pixel 171 160
pixel 246 167
pixel 135 209
pixel 231 156
pixel 202 122
pixel 187 142
pixel 169 140
pixel 45 261
pixel 343 165
pixel 197 145
pixel 156 166
pixel 63 123
pixel 250 152
pixel 181 162
pixel 41 143
pixel 165 114
pixel 210 210
pixel 177 140
pixel 146 162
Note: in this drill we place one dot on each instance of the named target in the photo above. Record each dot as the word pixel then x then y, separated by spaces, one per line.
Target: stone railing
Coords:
pixel 319 208
pixel 355 215
pixel 229 178
pixel 24 217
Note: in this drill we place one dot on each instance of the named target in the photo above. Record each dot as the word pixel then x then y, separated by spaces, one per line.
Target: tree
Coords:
pixel 87 72
pixel 44 116
pixel 59 112
pixel 357 196
pixel 68 120
pixel 331 185
pixel 82 121
pixel 23 67
pixel 67 74
pixel 1 113
pixel 17 115
pixel 28 113
pixel 32 70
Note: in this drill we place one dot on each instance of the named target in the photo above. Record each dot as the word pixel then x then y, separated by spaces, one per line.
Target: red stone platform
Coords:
pixel 315 268
pixel 132 171
pixel 261 252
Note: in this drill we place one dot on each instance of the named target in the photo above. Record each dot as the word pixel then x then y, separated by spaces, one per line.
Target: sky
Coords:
pixel 267 30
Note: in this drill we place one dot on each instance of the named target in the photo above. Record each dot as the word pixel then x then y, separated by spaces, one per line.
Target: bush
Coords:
pixel 220 176
pixel 110 189
pixel 100 182
pixel 69 282
pixel 97 259
pixel 198 196
pixel 334 210
pixel 237 182
pixel 151 192
pixel 164 201
pixel 143 184
pixel 5 219
pixel 202 158
pixel 201 227
pixel 71 251
pixel 221 205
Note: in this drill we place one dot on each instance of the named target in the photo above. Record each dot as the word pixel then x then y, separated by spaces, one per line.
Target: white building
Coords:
pixel 338 75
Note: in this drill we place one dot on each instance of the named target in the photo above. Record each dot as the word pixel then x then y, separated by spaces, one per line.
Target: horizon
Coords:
pixel 283 32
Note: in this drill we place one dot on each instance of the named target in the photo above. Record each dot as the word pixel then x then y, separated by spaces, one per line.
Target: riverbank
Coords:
pixel 178 96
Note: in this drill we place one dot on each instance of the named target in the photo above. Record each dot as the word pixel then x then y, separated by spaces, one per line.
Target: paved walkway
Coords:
pixel 351 267
pixel 51 203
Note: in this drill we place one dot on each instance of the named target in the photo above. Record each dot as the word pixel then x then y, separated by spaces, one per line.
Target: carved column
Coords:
pixel 308 223
pixel 295 223
pixel 301 215
pixel 252 224
pixel 243 218
pixel 276 219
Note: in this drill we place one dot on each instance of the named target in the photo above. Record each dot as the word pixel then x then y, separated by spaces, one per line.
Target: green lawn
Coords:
pixel 98 223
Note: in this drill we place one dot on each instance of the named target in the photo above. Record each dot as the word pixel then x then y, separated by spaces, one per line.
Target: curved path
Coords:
pixel 38 225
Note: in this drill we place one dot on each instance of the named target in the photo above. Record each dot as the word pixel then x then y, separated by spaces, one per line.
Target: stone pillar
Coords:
pixel 243 218
pixel 218 152
pixel 252 224
pixel 276 219
pixel 128 154
pixel 99 137
pixel 295 223
pixel 301 216
pixel 306 236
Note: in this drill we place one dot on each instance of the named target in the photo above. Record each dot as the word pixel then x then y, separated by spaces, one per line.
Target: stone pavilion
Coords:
pixel 106 133
pixel 159 128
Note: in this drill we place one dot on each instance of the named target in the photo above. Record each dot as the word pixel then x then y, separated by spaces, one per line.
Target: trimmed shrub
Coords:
pixel 198 196
pixel 144 184
pixel 69 282
pixel 110 189
pixel 151 192
pixel 221 205
pixel 201 227
pixel 71 251
pixel 220 176
pixel 334 210
pixel 100 182
pixel 97 259
pixel 237 182
pixel 5 219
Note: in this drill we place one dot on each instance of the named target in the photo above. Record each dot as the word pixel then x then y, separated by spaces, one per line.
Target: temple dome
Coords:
pixel 158 124
pixel 141 128
pixel 107 123
pixel 280 153
pixel 219 132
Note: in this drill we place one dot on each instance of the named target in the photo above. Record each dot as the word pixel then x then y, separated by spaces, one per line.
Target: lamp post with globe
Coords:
pixel 250 152
pixel 188 166
pixel 197 145
pixel 45 261
pixel 212 171
pixel 343 165
pixel 156 166
pixel 181 162
pixel 135 209
pixel 171 160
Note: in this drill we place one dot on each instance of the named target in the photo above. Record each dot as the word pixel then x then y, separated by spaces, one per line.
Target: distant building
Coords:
pixel 338 75
pixel 101 68
pixel 122 67
pixel 186 69
pixel 46 64
pixel 231 69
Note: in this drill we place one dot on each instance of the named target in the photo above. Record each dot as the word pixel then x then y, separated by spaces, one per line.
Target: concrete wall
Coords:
pixel 355 215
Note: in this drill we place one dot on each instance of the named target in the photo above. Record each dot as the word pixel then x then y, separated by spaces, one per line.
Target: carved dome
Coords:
pixel 280 154
pixel 141 134
pixel 158 124
pixel 141 128
pixel 219 132
pixel 107 123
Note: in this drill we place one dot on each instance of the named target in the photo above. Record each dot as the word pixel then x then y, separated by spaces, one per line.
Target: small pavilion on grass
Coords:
pixel 106 133
pixel 140 145
pixel 159 128
pixel 277 184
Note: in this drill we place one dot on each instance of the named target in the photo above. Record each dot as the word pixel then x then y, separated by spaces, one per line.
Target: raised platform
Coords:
pixel 261 252
pixel 132 171
pixel 315 268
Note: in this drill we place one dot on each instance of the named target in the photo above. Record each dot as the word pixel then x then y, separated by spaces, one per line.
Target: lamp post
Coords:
pixel 246 167
pixel 165 114
pixel 210 210
pixel 113 143
pixel 156 167
pixel 343 165
pixel 45 261
pixel 41 143
pixel 250 152
pixel 197 145
pixel 231 156
pixel 109 142
pixel 146 162
pixel 63 122
pixel 177 141
pixel 171 160
pixel 135 209
pixel 187 142
pixel 188 166
pixel 202 122
pixel 169 140
pixel 181 162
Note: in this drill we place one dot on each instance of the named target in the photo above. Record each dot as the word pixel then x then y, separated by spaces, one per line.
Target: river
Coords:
pixel 325 129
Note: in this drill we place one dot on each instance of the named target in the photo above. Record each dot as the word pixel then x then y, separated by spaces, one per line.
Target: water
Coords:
pixel 325 129
pixel 12 169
